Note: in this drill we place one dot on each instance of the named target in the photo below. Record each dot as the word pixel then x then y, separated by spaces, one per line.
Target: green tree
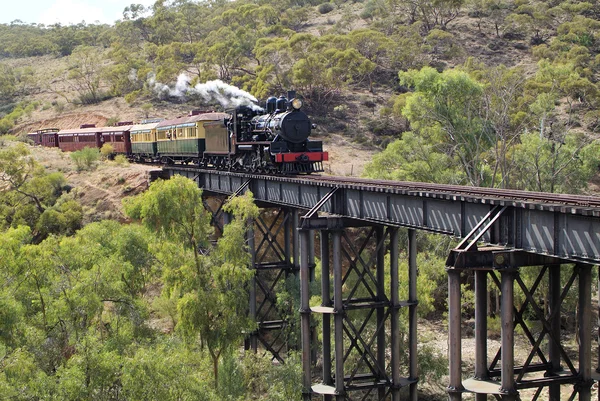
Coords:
pixel 8 82
pixel 503 110
pixel 85 71
pixel 445 108
pixel 433 13
pixel 211 283
pixel 412 158
pixel 27 189
pixel 550 165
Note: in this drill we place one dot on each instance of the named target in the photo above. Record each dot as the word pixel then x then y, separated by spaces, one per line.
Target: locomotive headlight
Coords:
pixel 296 104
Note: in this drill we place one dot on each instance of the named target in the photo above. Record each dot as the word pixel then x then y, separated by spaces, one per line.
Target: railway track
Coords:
pixel 429 189
pixel 506 194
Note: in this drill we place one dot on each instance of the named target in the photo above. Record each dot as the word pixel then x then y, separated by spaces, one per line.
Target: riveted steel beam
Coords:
pixel 563 231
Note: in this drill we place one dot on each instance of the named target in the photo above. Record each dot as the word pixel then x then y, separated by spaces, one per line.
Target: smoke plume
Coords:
pixel 211 92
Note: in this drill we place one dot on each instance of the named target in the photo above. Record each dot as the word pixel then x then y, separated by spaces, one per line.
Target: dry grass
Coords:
pixel 100 191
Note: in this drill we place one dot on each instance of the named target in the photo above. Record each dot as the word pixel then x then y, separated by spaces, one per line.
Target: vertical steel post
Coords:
pixel 288 231
pixel 305 316
pixel 554 290
pixel 395 324
pixel 508 336
pixel 380 276
pixel 585 332
pixel 598 333
pixel 326 301
pixel 413 371
pixel 252 248
pixel 338 306
pixel 455 387
pixel 295 241
pixel 481 362
pixel 311 270
pixel 311 255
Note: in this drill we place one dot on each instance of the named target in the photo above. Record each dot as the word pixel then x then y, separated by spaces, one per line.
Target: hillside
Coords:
pixel 533 66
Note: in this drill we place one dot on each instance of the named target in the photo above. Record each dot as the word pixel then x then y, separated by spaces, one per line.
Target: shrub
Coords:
pixel 341 111
pixel 325 8
pixel 106 151
pixel 121 160
pixel 86 158
pixel 132 96
pixel 112 121
pixel 59 107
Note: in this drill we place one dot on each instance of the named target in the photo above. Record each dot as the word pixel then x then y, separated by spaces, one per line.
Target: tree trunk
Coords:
pixel 215 361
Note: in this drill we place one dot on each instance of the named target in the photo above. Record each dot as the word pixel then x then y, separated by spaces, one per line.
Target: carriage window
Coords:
pixel 87 138
pixel 119 138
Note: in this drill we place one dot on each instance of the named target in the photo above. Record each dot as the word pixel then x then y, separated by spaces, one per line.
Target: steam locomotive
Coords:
pixel 274 140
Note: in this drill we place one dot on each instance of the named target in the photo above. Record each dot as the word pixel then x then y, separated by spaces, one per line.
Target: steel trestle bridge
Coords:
pixel 360 352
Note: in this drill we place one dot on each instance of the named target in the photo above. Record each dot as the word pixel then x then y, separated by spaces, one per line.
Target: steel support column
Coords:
pixel 326 302
pixel 413 372
pixel 585 332
pixel 305 317
pixel 481 362
pixel 395 316
pixel 274 243
pixel 338 319
pixel 365 366
pixel 455 387
pixel 507 378
pixel 381 315
pixel 554 290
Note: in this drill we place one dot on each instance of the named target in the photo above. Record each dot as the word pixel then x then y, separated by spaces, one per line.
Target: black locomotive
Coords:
pixel 274 139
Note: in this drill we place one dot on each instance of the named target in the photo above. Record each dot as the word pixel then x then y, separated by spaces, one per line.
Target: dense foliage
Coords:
pixel 82 315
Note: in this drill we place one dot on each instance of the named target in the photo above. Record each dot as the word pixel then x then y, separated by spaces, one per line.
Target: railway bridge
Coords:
pixel 360 352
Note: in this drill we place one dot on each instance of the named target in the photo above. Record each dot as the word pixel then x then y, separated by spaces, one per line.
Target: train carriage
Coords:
pixel 118 137
pixel 35 137
pixel 143 142
pixel 77 139
pixel 50 139
pixel 38 136
pixel 184 139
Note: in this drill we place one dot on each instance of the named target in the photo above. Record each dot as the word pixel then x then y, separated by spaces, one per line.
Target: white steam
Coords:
pixel 217 91
pixel 226 95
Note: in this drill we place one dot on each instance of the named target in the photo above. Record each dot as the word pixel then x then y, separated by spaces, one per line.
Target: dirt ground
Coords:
pixel 99 191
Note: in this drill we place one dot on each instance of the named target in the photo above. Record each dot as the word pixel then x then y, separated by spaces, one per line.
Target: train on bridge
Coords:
pixel 274 140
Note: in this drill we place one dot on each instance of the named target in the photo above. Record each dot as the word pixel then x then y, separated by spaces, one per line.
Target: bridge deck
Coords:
pixel 561 226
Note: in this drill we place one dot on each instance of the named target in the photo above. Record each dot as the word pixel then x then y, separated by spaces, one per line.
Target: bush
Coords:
pixel 111 122
pixel 121 160
pixel 325 8
pixel 106 151
pixel 86 158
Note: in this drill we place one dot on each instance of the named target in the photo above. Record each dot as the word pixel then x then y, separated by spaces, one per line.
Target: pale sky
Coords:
pixel 65 11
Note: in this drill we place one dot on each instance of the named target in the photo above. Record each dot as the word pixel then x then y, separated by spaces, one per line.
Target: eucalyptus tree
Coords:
pixel 208 280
